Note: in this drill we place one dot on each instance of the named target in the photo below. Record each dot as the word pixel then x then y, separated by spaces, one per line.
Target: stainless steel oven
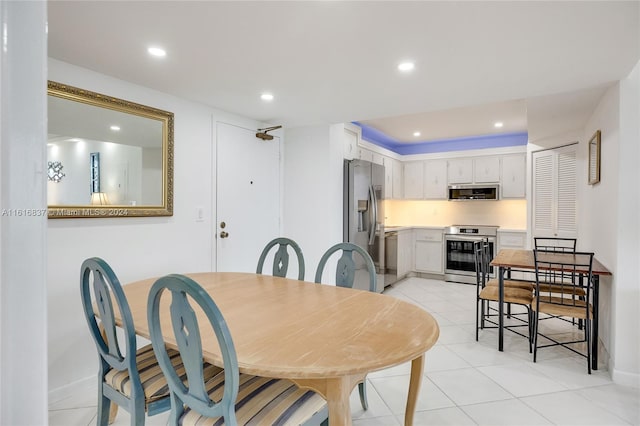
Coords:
pixel 460 263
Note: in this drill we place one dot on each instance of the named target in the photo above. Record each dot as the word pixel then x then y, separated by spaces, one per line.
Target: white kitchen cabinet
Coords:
pixel 486 169
pixel 513 181
pixel 398 180
pixel 388 177
pixel 428 250
pixel 377 158
pixel 554 192
pixel 351 140
pixel 365 154
pixel 460 170
pixel 405 252
pixel 435 179
pixel 414 180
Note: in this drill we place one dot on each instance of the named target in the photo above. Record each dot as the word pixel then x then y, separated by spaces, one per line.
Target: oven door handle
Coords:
pixel 455 237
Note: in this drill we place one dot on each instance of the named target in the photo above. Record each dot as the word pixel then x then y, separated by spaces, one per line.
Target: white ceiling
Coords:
pixel 539 66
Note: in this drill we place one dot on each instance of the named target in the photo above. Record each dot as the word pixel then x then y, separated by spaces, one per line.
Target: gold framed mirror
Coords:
pixel 107 157
pixel 594 158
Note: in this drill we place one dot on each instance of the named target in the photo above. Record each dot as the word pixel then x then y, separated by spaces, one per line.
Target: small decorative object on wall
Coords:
pixel 94 159
pixel 54 172
pixel 594 158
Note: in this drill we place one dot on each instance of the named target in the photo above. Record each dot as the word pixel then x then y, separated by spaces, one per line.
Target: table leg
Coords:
pixel 594 327
pixel 500 308
pixel 417 367
pixel 338 392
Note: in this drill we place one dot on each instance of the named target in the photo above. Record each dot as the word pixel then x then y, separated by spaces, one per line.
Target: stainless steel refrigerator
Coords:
pixel 364 216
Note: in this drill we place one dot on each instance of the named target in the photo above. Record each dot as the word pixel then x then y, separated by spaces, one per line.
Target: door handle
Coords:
pixel 224 234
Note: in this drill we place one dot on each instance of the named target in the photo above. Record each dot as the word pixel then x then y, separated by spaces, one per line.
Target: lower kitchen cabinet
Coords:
pixel 405 252
pixel 428 250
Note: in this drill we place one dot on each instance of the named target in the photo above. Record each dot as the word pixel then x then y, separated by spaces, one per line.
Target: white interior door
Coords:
pixel 247 197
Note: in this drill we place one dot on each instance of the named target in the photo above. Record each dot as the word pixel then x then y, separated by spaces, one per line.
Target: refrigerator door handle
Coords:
pixel 374 219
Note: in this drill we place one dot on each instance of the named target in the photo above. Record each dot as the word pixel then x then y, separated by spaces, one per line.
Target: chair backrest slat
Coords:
pixel 97 274
pixel 346 267
pixel 281 257
pixel 560 276
pixel 185 327
pixel 555 244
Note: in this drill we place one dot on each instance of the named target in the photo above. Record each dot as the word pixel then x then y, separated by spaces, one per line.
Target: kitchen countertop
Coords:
pixel 406 228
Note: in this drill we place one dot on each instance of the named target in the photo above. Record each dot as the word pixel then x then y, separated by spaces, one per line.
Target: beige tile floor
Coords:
pixel 465 382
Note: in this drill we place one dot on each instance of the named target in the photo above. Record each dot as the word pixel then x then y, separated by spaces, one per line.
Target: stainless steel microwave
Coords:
pixel 473 192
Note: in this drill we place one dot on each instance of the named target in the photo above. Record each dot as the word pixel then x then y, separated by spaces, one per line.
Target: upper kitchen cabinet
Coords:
pixel 388 177
pixel 554 192
pixel 365 154
pixel 398 179
pixel 486 169
pixel 514 176
pixel 435 179
pixel 414 180
pixel 352 134
pixel 393 178
pixel 460 170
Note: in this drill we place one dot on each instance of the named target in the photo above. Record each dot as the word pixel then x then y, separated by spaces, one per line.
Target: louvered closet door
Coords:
pixel 554 192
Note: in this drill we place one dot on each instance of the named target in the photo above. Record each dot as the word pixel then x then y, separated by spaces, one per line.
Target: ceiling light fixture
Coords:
pixel 266 97
pixel 406 66
pixel 156 51
pixel 498 124
pixel 115 128
pixel 416 134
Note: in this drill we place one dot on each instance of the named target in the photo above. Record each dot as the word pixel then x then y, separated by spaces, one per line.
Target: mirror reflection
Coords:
pixel 105 152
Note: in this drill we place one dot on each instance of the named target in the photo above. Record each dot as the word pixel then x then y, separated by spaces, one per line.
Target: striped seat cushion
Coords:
pixel 261 401
pixel 153 381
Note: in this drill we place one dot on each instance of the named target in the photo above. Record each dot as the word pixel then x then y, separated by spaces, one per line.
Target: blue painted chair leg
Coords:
pixel 363 395
pixel 103 410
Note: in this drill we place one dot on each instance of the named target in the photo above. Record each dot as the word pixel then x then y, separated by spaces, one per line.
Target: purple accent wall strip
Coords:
pixel 443 145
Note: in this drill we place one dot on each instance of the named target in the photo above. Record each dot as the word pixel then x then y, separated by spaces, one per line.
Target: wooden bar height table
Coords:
pixel 524 260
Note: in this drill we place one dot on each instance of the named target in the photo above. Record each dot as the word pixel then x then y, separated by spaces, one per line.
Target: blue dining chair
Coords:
pixel 345 277
pixel 131 378
pixel 281 257
pixel 214 399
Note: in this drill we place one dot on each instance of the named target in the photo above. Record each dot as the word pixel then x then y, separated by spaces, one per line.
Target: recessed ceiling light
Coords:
pixel 156 51
pixel 266 97
pixel 406 66
pixel 115 128
pixel 416 134
pixel 498 124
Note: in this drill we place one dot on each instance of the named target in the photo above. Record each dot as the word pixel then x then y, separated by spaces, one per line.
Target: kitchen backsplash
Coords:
pixel 508 214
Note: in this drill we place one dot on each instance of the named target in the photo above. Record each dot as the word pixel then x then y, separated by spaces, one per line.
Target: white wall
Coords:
pixel 626 303
pixel 151 175
pixel 598 204
pixel 312 205
pixel 608 222
pixel 135 247
pixel 120 172
pixel 23 289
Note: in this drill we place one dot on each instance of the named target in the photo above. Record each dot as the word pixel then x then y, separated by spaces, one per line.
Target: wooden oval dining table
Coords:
pixel 321 337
